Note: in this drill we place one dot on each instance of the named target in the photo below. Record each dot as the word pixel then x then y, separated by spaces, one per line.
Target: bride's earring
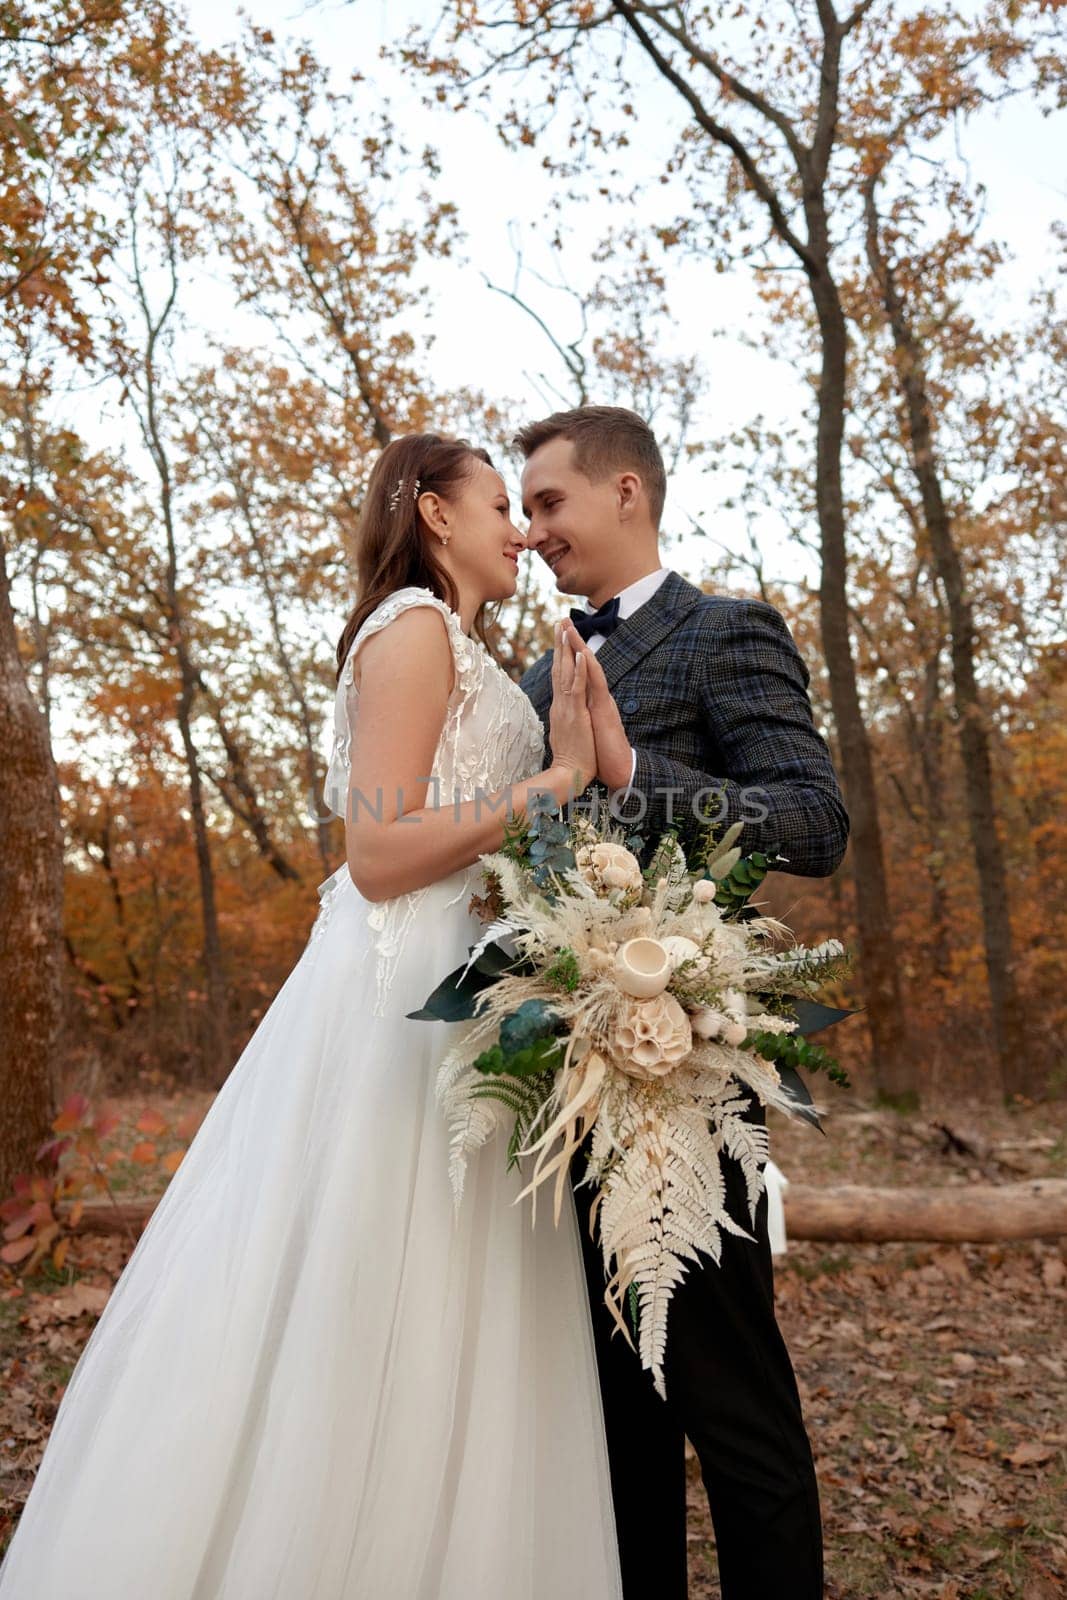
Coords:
pixel 445 538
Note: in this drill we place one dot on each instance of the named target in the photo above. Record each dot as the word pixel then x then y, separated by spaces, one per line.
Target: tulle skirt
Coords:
pixel 314 1379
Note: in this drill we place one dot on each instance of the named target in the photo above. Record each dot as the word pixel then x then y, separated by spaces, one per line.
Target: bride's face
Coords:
pixel 484 548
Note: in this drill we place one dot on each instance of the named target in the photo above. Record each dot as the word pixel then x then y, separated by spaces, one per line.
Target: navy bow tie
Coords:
pixel 604 621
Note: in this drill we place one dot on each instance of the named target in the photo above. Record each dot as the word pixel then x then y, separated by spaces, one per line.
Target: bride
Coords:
pixel 314 1379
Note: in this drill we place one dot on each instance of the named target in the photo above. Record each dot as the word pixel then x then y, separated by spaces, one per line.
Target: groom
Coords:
pixel 697 700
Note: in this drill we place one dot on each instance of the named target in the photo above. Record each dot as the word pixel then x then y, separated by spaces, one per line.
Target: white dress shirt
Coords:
pixel 631 599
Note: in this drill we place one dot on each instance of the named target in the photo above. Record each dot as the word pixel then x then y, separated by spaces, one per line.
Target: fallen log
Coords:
pixel 106 1216
pixel 844 1214
pixel 956 1214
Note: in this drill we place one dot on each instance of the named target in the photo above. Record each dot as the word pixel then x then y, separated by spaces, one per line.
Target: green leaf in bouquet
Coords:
pixel 736 888
pixel 563 972
pixel 560 857
pixel 534 1019
pixel 532 835
pixel 812 1016
pixel 558 860
pixel 455 997
pixel 793 1050
pixel 516 839
pixel 528 1043
pixel 553 830
pixel 526 1097
pixel 548 848
pixel 707 848
pixel 542 1055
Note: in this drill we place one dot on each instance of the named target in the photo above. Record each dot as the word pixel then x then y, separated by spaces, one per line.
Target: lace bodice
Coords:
pixel 491 736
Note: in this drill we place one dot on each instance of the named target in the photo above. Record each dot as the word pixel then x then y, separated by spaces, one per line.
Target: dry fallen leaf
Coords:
pixel 1031 1453
pixel 970 1505
pixel 1054 1272
pixel 73 1302
pixel 1041 1588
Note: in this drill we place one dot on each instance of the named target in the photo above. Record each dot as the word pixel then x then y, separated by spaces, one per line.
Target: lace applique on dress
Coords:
pixel 492 736
pixel 328 892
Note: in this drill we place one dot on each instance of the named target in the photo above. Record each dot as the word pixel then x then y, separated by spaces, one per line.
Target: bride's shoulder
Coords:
pixel 412 599
pixel 403 627
pixel 411 596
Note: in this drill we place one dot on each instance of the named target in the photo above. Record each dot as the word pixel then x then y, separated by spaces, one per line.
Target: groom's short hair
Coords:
pixel 606 439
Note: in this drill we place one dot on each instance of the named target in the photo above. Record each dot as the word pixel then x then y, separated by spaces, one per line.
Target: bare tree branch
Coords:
pixel 722 135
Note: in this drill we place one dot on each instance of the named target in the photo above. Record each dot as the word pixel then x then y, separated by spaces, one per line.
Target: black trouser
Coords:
pixel 732 1392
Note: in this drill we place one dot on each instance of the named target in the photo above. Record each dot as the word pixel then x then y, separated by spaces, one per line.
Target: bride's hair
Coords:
pixel 393 550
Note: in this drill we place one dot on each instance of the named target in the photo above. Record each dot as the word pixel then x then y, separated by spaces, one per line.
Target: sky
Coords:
pixel 481 341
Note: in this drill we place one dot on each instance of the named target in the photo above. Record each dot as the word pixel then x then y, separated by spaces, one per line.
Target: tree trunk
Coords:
pixel 215 1031
pixel 237 777
pixel 118 901
pixel 895 1067
pixel 312 774
pixel 923 732
pixel 929 749
pixel 31 911
pixel 1008 1032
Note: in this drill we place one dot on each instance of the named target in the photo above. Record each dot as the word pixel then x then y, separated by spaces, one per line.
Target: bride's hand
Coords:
pixel 570 727
pixel 614 753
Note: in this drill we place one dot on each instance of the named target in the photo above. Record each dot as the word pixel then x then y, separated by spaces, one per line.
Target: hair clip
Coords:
pixel 394 498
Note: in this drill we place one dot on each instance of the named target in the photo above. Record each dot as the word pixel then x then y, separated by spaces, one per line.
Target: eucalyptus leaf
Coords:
pixel 533 1020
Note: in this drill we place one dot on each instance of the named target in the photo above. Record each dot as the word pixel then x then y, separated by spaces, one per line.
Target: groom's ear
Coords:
pixel 629 488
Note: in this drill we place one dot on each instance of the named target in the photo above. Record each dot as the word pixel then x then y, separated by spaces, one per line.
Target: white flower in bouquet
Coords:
pixel 735 1005
pixel 702 915
pixel 651 1036
pixel 768 1022
pixel 725 1022
pixel 708 1022
pixel 643 967
pixel 683 950
pixel 606 866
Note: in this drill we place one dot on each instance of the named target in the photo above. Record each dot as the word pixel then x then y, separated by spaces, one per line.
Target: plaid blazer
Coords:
pixel 713 695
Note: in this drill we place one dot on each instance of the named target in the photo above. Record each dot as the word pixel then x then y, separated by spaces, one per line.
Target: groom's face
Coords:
pixel 574 524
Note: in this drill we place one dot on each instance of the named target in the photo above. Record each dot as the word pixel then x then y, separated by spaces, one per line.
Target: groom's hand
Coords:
pixel 614 755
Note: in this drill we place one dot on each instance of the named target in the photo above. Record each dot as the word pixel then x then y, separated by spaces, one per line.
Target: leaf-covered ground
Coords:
pixel 934 1377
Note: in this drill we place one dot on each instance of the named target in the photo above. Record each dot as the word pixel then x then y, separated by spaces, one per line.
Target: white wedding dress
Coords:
pixel 315 1380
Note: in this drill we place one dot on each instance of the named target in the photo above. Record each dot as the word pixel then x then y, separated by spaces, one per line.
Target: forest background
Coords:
pixel 822 251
